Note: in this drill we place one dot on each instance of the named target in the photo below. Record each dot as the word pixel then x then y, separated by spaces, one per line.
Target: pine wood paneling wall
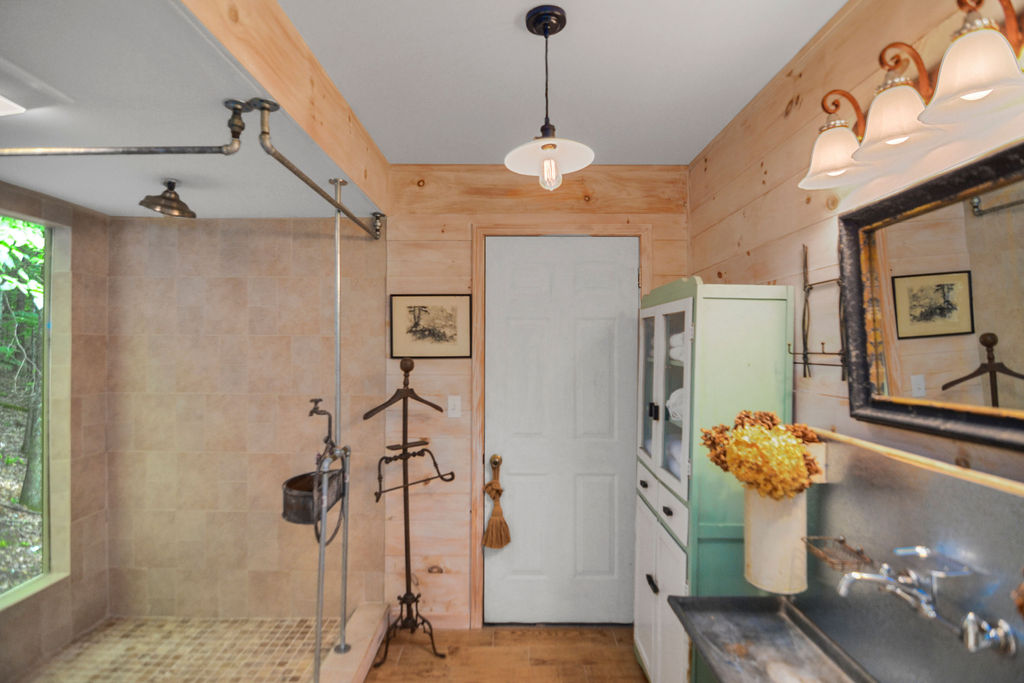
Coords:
pixel 435 211
pixel 748 219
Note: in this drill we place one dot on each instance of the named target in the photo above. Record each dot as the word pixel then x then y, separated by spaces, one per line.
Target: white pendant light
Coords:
pixel 548 157
pixel 979 74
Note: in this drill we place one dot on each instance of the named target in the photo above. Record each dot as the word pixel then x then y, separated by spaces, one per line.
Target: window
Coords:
pixel 23 324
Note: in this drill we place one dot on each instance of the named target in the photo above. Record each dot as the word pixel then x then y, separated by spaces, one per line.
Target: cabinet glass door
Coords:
pixel 676 399
pixel 646 393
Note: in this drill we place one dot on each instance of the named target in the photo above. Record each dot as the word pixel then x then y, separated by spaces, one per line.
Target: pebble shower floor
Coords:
pixel 132 650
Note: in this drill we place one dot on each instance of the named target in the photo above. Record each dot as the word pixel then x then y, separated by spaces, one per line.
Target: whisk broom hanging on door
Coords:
pixel 497 534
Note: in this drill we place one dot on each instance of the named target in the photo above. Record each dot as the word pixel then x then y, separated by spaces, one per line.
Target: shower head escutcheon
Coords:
pixel 168 202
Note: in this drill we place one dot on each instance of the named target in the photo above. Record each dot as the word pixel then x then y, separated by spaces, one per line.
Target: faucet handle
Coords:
pixel 978 634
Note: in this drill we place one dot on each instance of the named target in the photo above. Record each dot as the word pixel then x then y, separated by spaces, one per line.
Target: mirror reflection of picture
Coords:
pixel 933 304
pixel 430 326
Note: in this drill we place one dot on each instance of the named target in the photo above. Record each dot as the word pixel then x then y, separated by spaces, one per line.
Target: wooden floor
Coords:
pixel 514 653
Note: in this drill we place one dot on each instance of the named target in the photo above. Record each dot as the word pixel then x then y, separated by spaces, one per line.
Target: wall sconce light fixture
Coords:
pixel 832 156
pixel 548 157
pixel 979 73
pixel 914 130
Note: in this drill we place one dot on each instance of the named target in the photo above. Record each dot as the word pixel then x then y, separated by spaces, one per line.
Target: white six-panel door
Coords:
pixel 560 396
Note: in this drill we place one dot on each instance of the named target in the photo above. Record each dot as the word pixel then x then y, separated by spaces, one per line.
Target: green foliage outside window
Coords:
pixel 22 328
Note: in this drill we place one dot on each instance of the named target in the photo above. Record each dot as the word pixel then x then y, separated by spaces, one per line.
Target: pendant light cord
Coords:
pixel 547 30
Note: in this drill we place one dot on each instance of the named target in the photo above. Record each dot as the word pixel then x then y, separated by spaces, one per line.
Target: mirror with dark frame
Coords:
pixel 932 294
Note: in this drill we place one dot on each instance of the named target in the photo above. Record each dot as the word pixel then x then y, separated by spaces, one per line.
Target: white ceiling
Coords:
pixel 142 72
pixel 641 82
pixel 448 81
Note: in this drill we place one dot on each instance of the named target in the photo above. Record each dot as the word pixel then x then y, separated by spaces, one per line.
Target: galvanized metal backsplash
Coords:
pixel 880 503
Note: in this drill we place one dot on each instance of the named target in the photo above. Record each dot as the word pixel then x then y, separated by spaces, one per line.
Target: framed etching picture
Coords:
pixel 430 326
pixel 933 304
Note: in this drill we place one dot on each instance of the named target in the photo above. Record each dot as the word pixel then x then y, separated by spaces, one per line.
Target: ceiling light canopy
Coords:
pixel 168 202
pixel 548 157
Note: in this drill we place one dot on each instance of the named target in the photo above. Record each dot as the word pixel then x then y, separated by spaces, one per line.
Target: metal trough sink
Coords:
pixel 299 504
pixel 746 639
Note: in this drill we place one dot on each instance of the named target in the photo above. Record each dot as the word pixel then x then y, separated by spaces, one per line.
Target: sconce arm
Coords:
pixel 890 58
pixel 1011 26
pixel 831 106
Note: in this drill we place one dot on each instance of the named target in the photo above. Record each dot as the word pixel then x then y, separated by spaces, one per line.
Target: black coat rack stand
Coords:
pixel 409 616
pixel 990 367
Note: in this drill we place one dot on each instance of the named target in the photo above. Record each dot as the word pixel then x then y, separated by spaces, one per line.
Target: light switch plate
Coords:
pixel 454 406
pixel 917 386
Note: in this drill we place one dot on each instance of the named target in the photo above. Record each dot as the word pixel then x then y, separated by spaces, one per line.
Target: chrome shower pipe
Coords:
pixel 324 471
pixel 235 125
pixel 344 453
pixel 266 106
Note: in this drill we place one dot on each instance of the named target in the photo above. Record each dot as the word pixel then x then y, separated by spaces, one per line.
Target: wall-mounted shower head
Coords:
pixel 168 202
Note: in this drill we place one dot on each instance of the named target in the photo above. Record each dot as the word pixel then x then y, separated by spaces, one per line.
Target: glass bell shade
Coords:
pixel 893 127
pixel 831 158
pixel 549 159
pixel 979 74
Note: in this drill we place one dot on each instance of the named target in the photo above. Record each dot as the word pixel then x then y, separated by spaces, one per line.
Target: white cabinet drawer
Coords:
pixel 674 513
pixel 646 485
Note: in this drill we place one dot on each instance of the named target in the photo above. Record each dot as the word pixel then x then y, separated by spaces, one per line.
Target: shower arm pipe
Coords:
pixel 267 106
pixel 235 124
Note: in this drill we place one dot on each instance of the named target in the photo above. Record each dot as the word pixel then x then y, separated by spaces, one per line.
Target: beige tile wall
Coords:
pixel 220 331
pixel 46 621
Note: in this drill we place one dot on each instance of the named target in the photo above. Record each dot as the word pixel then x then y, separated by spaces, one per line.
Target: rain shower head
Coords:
pixel 168 202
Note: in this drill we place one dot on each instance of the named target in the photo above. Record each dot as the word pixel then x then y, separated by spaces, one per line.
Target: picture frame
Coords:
pixel 431 326
pixel 933 304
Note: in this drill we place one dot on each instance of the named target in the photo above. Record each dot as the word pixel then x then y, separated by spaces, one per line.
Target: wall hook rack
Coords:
pixel 805 327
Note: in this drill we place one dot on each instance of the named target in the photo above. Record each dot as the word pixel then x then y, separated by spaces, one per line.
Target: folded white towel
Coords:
pixel 677 353
pixel 676 339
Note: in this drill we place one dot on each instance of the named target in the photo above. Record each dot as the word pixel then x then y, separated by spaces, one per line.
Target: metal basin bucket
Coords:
pixel 300 506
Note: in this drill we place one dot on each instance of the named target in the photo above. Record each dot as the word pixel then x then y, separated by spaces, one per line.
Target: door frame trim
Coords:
pixel 645 234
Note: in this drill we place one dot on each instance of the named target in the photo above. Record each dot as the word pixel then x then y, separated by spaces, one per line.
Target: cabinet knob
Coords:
pixel 644 484
pixel 667 510
pixel 652 584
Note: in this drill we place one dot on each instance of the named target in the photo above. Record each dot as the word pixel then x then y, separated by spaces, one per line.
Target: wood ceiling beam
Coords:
pixel 263 39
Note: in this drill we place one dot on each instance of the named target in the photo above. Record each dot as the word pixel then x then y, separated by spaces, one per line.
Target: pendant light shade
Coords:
pixel 979 74
pixel 168 202
pixel 831 157
pixel 893 125
pixel 548 157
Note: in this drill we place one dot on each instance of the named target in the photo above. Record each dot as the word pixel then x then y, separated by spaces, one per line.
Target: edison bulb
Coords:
pixel 550 176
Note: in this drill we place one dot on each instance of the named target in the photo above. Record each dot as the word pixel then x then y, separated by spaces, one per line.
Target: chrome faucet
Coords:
pixel 917 586
pixel 903 586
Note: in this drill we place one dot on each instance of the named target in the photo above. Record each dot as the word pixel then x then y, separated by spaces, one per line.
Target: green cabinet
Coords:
pixel 706 352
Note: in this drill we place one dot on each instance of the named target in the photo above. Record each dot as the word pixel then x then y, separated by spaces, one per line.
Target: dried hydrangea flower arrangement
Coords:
pixel 763 454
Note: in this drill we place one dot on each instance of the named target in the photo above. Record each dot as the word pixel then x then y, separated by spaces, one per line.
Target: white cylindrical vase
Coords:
pixel 775 559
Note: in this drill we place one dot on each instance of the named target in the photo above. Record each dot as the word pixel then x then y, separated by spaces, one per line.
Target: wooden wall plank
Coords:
pixel 266 43
pixel 428 233
pixel 425 189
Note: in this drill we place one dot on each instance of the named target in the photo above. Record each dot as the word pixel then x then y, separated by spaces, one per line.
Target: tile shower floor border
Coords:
pixel 189 649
